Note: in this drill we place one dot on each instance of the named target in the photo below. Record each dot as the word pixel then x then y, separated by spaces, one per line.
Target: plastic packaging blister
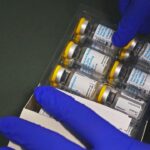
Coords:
pixel 83 65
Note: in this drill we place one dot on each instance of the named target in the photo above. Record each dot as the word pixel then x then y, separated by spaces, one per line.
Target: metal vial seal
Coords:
pixel 103 94
pixel 69 50
pixel 56 76
pixel 131 45
pixel 115 71
pixel 81 26
pixel 125 51
pixel 124 55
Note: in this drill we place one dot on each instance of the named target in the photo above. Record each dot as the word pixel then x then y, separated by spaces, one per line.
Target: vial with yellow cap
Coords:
pixel 137 52
pixel 75 82
pixel 121 102
pixel 87 60
pixel 98 36
pixel 131 78
pixel 97 32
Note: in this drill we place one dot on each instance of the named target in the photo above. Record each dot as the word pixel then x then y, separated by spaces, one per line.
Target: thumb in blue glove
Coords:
pixel 80 120
pixel 135 20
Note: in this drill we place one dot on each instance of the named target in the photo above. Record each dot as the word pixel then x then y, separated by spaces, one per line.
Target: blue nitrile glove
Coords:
pixel 135 20
pixel 80 120
pixel 5 148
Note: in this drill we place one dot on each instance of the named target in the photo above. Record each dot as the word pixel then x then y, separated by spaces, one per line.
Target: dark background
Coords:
pixel 29 34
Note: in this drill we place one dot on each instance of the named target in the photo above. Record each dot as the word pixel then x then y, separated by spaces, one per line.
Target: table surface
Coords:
pixel 29 34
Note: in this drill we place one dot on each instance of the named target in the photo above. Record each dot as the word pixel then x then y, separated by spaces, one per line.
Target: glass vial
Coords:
pixel 114 99
pixel 73 82
pixel 134 80
pixel 86 59
pixel 140 55
pixel 95 32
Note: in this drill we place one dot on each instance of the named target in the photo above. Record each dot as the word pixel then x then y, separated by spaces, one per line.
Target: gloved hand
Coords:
pixel 135 20
pixel 91 129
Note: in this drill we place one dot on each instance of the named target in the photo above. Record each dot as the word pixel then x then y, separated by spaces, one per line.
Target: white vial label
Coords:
pixel 128 107
pixel 82 84
pixel 95 60
pixel 139 79
pixel 146 55
pixel 103 35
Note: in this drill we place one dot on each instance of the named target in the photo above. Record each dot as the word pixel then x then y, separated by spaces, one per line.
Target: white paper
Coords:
pixel 116 118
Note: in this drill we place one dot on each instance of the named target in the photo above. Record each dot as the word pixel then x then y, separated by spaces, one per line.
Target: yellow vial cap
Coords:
pixel 81 26
pixel 113 70
pixel 101 93
pixel 124 54
pixel 131 44
pixel 53 77
pixel 69 50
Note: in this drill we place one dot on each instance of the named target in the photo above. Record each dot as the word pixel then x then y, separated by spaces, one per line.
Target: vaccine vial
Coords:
pixel 121 102
pixel 126 53
pixel 86 59
pixel 74 82
pixel 96 32
pixel 134 80
pixel 97 35
pixel 140 55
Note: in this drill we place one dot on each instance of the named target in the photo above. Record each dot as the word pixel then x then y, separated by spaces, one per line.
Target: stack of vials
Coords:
pixel 93 68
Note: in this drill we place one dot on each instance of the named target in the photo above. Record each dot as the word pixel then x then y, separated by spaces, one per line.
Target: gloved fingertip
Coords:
pixel 120 39
pixel 116 40
pixel 40 92
pixel 46 95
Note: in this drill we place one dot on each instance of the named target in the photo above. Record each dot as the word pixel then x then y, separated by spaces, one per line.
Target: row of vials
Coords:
pixel 93 68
